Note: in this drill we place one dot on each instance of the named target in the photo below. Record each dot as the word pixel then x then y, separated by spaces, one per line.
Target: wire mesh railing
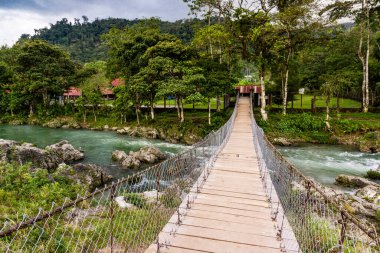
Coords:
pixel 309 217
pixel 125 216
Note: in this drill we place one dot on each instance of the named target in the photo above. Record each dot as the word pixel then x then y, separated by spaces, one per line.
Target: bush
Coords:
pixel 347 126
pixel 136 199
pixel 372 174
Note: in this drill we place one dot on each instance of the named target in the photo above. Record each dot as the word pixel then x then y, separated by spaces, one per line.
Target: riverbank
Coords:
pixel 166 125
pixel 359 130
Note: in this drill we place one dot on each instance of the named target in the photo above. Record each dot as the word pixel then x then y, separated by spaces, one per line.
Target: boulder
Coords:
pixel 131 162
pixel 55 123
pixel 77 215
pixel 146 155
pixel 118 155
pixel 282 141
pixel 65 151
pixel 89 175
pixel 151 196
pixel 353 181
pixel 149 155
pixel 369 193
pixel 5 148
pixel 378 168
pixel 120 200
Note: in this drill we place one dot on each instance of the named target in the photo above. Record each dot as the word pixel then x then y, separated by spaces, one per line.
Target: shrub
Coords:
pixel 372 174
pixel 136 199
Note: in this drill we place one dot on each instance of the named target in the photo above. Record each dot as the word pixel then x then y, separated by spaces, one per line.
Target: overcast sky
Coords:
pixel 23 16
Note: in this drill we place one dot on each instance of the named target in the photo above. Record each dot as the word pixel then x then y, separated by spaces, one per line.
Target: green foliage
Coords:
pixel 136 199
pixel 378 216
pixel 373 174
pixel 24 191
pixel 347 126
pixel 82 38
pixel 301 122
pixel 322 235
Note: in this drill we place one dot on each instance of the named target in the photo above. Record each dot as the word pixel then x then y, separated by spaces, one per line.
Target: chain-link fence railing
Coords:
pixel 309 217
pixel 125 216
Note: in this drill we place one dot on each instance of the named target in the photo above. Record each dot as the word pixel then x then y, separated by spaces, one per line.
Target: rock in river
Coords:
pixel 47 158
pixel 353 181
pixel 89 175
pixel 146 155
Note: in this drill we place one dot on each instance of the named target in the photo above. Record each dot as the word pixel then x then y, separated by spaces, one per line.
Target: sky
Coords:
pixel 23 16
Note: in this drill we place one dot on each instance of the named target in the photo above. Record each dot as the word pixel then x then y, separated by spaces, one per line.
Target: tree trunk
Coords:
pixel 84 116
pixel 285 83
pixel 262 94
pixel 93 111
pixel 313 104
pixel 365 58
pixel 151 110
pixel 218 103
pixel 182 113
pixel 178 107
pixel 328 113
pixel 31 109
pixel 366 105
pixel 209 111
pixel 137 115
pixel 337 103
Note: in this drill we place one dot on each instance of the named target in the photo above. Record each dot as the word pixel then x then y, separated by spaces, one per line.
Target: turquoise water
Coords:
pixel 325 162
pixel 97 145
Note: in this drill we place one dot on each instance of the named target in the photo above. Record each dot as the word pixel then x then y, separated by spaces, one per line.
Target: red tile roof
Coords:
pixel 117 82
pixel 247 89
pixel 73 92
pixel 106 91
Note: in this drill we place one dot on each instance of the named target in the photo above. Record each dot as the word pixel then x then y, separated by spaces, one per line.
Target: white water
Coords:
pixel 325 162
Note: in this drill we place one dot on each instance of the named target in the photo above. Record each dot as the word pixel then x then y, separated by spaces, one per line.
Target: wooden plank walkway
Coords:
pixel 230 213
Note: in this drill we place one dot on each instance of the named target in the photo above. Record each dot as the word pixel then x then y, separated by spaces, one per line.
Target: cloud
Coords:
pixel 23 16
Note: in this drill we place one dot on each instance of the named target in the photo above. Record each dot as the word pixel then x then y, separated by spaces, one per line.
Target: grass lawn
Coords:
pixel 321 102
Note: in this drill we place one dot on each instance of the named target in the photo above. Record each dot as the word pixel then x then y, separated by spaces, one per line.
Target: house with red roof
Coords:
pixel 72 93
pixel 246 90
pixel 117 82
pixel 107 93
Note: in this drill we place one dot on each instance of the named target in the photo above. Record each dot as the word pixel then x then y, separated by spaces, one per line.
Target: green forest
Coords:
pixel 281 46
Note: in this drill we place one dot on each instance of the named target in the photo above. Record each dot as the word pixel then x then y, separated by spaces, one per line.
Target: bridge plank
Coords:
pixel 234 194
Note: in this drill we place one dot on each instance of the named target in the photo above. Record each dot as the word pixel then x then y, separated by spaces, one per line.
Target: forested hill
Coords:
pixel 83 38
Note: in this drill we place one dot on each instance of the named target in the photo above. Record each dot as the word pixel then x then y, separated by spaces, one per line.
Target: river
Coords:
pixel 97 145
pixel 325 162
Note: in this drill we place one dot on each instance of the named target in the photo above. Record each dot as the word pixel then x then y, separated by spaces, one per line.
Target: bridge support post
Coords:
pixel 112 197
pixel 342 232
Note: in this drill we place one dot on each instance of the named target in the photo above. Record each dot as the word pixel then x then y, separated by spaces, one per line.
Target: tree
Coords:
pixel 126 47
pixel 364 12
pixel 42 70
pixel 294 22
pixel 121 103
pixel 264 39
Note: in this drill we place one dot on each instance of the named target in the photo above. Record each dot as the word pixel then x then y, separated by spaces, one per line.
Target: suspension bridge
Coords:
pixel 230 213
pixel 231 192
